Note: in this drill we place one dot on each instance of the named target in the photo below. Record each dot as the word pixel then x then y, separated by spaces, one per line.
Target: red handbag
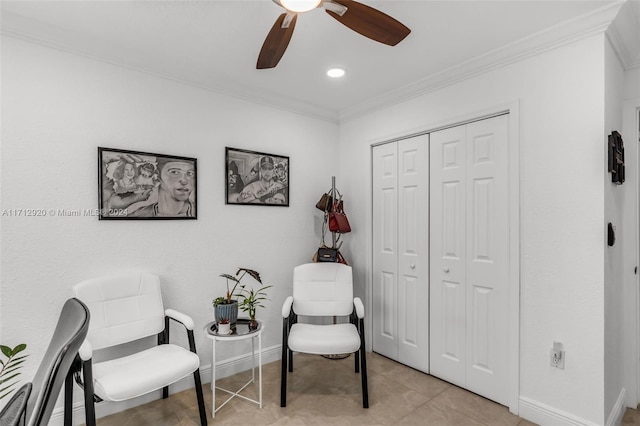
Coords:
pixel 338 221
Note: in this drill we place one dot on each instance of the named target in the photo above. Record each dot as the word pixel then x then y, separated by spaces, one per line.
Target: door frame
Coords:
pixel 631 220
pixel 513 110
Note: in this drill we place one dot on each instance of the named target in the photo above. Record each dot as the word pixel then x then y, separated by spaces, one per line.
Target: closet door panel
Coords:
pixel 385 250
pixel 447 261
pixel 488 258
pixel 413 251
pixel 401 251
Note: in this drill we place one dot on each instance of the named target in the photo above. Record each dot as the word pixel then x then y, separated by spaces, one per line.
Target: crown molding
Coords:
pixel 559 35
pixel 40 33
pixel 624 35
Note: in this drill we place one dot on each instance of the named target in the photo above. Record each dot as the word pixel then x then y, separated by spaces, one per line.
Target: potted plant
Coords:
pixel 10 367
pixel 223 326
pixel 251 300
pixel 225 306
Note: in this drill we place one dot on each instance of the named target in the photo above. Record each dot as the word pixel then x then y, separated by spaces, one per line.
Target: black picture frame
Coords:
pixel 256 178
pixel 136 185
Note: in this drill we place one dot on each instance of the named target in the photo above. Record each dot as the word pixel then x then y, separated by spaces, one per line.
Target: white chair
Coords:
pixel 125 308
pixel 323 289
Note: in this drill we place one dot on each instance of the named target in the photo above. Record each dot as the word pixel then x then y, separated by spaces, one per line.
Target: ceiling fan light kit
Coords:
pixel 300 5
pixel 361 18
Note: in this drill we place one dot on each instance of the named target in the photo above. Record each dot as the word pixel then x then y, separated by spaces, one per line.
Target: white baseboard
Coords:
pixel 619 408
pixel 224 369
pixel 544 414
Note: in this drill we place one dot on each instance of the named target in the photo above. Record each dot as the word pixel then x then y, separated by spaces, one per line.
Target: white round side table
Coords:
pixel 239 332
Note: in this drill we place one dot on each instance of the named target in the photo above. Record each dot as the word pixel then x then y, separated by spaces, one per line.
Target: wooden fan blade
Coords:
pixel 276 43
pixel 371 22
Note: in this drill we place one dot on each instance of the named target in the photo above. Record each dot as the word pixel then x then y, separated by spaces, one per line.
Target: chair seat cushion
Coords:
pixel 324 339
pixel 143 372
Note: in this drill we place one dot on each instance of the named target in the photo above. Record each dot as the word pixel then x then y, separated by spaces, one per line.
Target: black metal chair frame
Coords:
pixel 86 382
pixel 287 356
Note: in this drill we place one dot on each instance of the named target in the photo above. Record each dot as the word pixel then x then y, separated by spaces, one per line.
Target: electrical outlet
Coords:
pixel 556 355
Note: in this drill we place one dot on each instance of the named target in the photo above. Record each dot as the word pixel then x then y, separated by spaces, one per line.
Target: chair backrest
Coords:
pixel 123 307
pixel 13 413
pixel 69 334
pixel 323 289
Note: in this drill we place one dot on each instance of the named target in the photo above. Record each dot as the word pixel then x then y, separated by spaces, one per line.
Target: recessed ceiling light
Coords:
pixel 336 72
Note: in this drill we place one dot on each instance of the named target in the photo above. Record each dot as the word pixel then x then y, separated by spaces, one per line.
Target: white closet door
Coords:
pixel 487 258
pixel 469 257
pixel 400 258
pixel 413 248
pixel 413 252
pixel 385 249
pixel 447 260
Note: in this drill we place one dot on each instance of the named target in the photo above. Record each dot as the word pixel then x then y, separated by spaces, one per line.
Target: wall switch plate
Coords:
pixel 556 355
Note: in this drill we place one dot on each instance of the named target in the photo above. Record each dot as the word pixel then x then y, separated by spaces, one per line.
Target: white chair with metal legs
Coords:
pixel 125 308
pixel 325 290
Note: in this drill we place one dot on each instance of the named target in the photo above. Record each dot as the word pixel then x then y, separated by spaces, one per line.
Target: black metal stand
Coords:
pixel 334 240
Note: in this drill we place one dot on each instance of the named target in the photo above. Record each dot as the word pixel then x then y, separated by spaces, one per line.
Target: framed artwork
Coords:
pixel 256 178
pixel 142 185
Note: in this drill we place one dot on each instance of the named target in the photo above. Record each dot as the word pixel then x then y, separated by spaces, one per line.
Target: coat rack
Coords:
pixel 334 241
pixel 333 197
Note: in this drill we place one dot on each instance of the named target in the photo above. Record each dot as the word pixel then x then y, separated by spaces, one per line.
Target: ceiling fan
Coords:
pixel 362 19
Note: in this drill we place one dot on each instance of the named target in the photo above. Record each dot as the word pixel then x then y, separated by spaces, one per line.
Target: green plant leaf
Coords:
pixel 14 363
pixel 8 390
pixel 2 389
pixel 10 367
pixel 6 350
pixel 21 347
pixel 230 277
pixel 9 378
pixel 21 357
pixel 254 274
pixel 2 395
pixel 11 364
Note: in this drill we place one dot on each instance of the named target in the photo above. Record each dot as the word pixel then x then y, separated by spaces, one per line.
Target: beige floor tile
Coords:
pixel 631 417
pixel 422 383
pixel 390 400
pixel 435 414
pixel 524 422
pixel 475 406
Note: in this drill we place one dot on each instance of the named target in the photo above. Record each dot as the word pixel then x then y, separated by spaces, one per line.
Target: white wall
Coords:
pixel 57 108
pixel 560 95
pixel 632 83
pixel 614 267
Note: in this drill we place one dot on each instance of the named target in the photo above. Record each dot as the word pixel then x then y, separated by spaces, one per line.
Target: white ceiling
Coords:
pixel 215 43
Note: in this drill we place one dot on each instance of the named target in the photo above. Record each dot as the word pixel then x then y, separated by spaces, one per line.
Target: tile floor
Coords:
pixel 327 392
pixel 631 417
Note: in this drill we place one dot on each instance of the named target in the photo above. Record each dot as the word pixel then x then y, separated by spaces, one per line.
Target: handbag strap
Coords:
pixel 325 226
pixel 338 205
